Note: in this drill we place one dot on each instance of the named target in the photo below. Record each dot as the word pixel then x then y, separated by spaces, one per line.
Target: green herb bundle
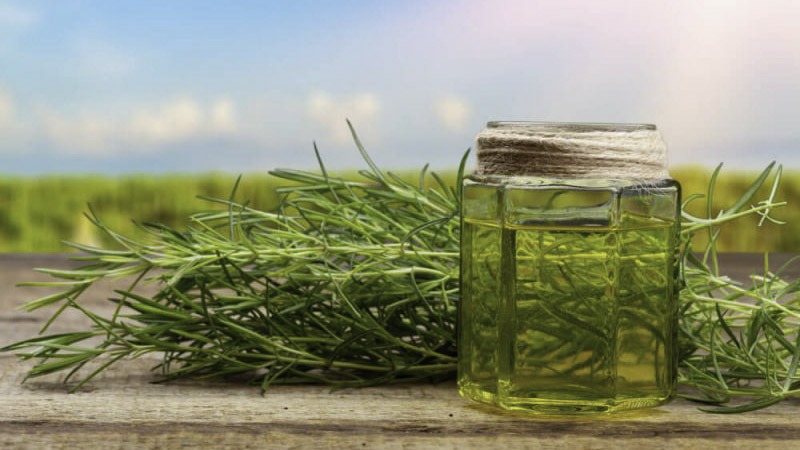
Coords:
pixel 355 283
pixel 737 340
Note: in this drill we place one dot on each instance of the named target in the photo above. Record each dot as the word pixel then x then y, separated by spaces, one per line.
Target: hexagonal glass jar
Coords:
pixel 568 292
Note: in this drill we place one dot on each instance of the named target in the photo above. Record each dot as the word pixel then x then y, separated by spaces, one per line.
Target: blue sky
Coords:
pixel 162 86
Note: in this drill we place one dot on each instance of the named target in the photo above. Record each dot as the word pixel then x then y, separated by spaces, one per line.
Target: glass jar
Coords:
pixel 569 269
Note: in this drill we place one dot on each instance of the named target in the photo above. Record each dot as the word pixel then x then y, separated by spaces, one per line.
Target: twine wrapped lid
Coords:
pixel 572 150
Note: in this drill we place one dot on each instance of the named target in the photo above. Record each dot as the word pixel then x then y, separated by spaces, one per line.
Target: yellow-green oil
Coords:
pixel 568 319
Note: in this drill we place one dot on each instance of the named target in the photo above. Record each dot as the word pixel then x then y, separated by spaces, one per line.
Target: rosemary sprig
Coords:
pixel 355 283
pixel 737 340
pixel 350 283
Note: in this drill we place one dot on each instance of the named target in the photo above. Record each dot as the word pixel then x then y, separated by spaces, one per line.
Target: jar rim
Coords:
pixel 571 126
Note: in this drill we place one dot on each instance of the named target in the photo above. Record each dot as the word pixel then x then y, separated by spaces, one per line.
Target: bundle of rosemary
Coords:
pixel 355 283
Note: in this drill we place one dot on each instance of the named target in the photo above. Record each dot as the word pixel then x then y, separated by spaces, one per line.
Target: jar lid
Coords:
pixel 572 150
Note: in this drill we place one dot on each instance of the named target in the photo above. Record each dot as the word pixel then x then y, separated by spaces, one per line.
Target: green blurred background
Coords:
pixel 37 213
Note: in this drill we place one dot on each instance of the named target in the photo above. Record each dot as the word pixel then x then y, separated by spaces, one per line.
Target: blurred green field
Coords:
pixel 38 213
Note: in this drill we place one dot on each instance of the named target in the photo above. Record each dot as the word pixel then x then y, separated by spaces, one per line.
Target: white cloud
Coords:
pixel 6 109
pixel 453 112
pixel 330 113
pixel 144 130
pixel 223 117
pixel 81 135
pixel 13 129
pixel 172 121
pixel 16 16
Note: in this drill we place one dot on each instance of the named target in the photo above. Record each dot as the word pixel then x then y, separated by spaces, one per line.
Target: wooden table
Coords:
pixel 121 409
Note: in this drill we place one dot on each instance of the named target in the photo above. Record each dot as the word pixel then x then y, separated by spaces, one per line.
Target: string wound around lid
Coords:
pixel 572 150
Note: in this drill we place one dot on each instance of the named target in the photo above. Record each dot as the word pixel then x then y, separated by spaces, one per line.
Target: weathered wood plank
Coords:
pixel 123 409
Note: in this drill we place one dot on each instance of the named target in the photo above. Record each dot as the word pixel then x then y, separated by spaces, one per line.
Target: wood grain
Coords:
pixel 124 409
